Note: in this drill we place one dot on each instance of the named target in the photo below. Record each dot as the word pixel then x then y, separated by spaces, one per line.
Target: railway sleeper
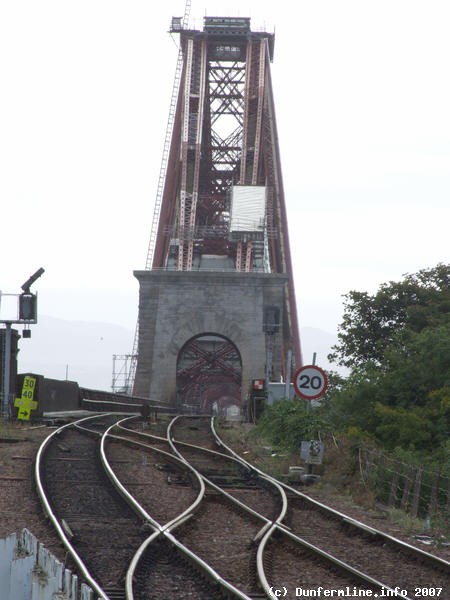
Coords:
pixel 178 479
pixel 115 592
pixel 231 481
pixel 163 563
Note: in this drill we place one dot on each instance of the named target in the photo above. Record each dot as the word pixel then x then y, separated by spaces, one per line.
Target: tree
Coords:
pixel 371 324
pixel 397 344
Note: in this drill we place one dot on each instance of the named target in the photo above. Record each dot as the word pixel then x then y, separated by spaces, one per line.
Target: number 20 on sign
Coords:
pixel 310 382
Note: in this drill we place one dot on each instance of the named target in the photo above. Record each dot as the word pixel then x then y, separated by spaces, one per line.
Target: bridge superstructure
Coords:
pixel 217 302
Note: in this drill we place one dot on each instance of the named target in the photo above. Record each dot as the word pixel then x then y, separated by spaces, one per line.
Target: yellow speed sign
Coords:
pixel 26 403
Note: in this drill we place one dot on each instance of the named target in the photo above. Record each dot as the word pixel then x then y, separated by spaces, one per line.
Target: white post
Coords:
pixel 287 389
pixel 7 378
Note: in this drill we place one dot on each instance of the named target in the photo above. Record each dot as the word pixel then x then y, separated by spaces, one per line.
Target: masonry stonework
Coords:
pixel 175 306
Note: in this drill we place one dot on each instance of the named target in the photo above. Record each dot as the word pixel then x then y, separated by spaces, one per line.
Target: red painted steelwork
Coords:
pixel 209 370
pixel 225 135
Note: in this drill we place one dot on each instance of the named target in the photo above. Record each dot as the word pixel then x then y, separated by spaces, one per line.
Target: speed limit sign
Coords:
pixel 310 382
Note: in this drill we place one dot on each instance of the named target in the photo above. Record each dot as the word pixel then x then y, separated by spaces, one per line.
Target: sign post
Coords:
pixel 27 309
pixel 310 383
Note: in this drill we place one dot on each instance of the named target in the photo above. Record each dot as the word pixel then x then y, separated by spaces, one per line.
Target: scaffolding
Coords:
pixel 121 383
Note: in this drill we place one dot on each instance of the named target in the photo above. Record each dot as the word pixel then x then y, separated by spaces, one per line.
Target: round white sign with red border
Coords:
pixel 310 382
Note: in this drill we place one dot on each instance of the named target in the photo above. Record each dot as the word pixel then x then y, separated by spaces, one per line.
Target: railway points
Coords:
pixel 233 528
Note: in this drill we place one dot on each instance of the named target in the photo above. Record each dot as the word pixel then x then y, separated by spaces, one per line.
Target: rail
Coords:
pixel 53 518
pixel 271 527
pixel 129 497
pixel 166 529
pixel 425 556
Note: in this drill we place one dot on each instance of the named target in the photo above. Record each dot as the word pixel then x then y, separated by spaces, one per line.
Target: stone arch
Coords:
pixel 209 374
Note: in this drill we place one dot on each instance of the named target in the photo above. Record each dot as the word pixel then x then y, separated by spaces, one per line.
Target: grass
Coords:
pixel 257 450
pixel 15 432
pixel 7 431
pixel 405 521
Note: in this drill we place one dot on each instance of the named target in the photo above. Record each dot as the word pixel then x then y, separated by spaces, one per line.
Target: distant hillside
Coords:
pixel 83 350
pixel 80 349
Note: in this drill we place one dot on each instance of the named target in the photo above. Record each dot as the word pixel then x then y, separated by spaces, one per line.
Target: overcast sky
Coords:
pixel 362 94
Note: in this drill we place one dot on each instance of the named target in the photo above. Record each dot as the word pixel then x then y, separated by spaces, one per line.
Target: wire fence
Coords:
pixel 409 487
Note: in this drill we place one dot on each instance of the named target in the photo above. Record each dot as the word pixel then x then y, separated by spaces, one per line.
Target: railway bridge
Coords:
pixel 217 304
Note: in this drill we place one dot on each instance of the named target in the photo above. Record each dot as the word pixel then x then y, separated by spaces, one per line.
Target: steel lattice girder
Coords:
pixel 221 359
pixel 246 153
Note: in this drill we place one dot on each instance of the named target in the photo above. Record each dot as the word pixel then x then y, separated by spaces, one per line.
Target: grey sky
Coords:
pixel 362 95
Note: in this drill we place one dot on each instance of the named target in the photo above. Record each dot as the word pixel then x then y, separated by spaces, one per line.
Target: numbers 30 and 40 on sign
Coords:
pixel 26 403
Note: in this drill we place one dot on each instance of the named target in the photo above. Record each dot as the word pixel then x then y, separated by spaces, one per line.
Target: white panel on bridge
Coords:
pixel 248 208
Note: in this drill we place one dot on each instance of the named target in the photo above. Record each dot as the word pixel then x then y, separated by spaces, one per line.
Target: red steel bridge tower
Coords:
pixel 217 303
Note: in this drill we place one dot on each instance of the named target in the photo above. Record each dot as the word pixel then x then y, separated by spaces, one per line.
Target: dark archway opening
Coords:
pixel 209 375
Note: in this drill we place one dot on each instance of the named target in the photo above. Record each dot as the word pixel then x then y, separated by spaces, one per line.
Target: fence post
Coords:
pixel 448 495
pixel 392 500
pixel 416 495
pixel 432 506
pixel 407 488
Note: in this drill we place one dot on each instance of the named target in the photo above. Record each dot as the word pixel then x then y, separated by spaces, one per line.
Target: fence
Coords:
pixel 409 487
pixel 28 571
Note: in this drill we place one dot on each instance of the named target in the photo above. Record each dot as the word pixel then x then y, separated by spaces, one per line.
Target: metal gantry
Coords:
pixel 224 138
pixel 221 115
pixel 220 200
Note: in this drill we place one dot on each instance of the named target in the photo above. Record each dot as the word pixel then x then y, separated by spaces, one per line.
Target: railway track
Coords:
pixel 97 525
pixel 377 555
pixel 110 537
pixel 228 549
pixel 405 569
pixel 166 509
pixel 227 532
